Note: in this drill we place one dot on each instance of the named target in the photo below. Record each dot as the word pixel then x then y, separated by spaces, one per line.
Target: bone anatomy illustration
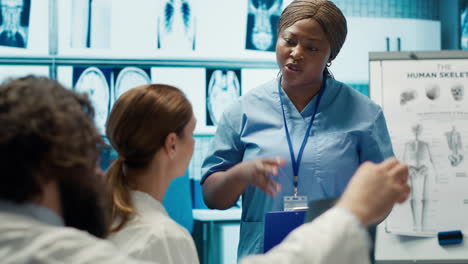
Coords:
pixel 177 26
pixel 454 142
pixel 457 92
pixel 417 155
pixel 432 92
pixel 407 96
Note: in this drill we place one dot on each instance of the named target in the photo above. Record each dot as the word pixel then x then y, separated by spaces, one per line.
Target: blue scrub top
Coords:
pixel 348 130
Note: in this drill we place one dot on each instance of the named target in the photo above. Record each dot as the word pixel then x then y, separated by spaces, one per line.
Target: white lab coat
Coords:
pixel 336 237
pixel 153 236
pixel 25 240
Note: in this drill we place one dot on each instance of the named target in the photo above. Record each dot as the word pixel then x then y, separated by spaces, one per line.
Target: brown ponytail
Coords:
pixel 137 127
pixel 122 206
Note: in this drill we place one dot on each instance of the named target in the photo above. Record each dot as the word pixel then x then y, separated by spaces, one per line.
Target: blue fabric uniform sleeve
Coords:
pixel 378 146
pixel 226 148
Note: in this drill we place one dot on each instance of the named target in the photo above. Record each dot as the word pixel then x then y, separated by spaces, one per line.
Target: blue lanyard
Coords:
pixel 296 163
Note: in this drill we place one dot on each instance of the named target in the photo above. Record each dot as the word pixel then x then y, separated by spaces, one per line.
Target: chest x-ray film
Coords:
pixel 94 82
pixel 262 21
pixel 222 89
pixel 90 24
pixel 177 28
pixel 128 78
pixel 14 22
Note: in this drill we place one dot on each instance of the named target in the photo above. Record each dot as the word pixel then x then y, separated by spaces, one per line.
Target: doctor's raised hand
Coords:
pixel 258 172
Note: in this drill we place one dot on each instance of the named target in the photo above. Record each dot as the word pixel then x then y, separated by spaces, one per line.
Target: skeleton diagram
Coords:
pixel 11 32
pixel 455 145
pixel 418 156
pixel 177 26
pixel 223 88
pixel 262 33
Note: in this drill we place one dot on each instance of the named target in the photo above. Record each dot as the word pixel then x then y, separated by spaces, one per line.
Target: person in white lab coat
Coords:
pixel 151 128
pixel 50 186
pixel 51 196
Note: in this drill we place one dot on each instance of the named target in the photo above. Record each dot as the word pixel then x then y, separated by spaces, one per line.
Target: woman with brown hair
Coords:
pixel 321 128
pixel 151 128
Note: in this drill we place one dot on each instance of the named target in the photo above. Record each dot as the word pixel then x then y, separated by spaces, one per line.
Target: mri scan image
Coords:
pixel 130 77
pixel 14 22
pixel 262 20
pixel 223 88
pixel 177 26
pixel 94 82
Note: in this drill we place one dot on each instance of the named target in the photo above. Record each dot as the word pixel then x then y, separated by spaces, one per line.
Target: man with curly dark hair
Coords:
pixel 49 177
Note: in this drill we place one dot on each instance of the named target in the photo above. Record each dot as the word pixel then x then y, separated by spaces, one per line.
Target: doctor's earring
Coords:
pixel 329 64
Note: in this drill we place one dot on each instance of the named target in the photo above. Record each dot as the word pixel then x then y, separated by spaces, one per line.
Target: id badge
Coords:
pixel 292 203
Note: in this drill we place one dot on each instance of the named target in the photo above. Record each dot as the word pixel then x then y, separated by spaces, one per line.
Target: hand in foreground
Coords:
pixel 374 189
pixel 258 173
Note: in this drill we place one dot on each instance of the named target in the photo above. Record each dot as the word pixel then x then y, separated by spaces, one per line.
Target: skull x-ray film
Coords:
pixel 262 21
pixel 95 81
pixel 14 22
pixel 177 25
pixel 128 78
pixel 223 87
pixel 90 24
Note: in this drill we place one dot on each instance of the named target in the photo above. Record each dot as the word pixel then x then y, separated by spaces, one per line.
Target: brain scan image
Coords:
pixel 93 82
pixel 223 88
pixel 457 92
pixel 432 92
pixel 129 78
pixel 262 18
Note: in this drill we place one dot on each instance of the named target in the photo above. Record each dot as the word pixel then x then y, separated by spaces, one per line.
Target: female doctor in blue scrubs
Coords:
pixel 320 128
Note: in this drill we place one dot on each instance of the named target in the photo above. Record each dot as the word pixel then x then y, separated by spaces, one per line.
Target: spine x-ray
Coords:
pixel 262 21
pixel 223 87
pixel 177 28
pixel 91 24
pixel 14 23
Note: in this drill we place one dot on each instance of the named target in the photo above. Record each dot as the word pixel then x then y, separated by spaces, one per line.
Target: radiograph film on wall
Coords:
pixel 128 78
pixel 95 81
pixel 177 25
pixel 262 21
pixel 14 23
pixel 91 24
pixel 223 87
